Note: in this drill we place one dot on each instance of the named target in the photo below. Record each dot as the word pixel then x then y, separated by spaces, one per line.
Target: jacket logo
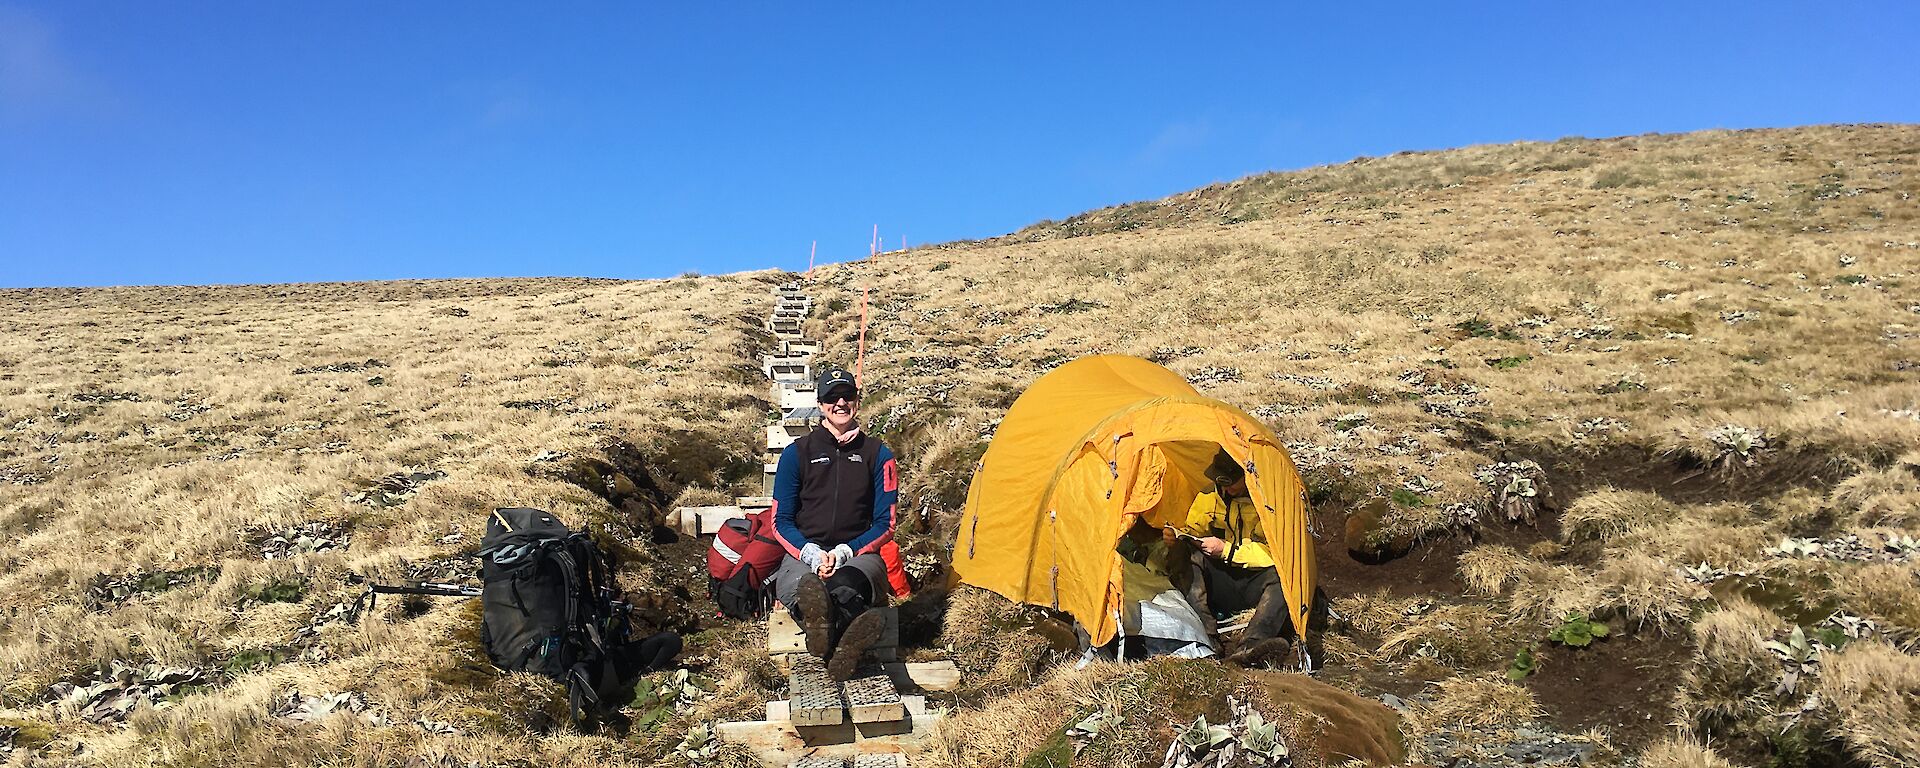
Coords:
pixel 856 457
pixel 821 460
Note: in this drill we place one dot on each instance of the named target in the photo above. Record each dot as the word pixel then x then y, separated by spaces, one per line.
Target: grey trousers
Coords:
pixel 786 580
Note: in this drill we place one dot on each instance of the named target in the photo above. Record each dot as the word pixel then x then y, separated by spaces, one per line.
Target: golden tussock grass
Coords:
pixel 1681 752
pixel 1887 496
pixel 171 430
pixel 1873 693
pixel 1478 702
pixel 989 641
pixel 1889 592
pixel 1398 321
pixel 1728 688
pixel 1461 635
pixel 1004 733
pixel 1646 591
pixel 1610 514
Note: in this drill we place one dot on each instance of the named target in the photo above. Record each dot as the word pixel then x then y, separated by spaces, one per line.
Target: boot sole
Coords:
pixel 816 615
pixel 860 635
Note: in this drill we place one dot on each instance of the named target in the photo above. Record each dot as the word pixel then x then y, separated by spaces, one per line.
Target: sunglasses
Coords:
pixel 840 399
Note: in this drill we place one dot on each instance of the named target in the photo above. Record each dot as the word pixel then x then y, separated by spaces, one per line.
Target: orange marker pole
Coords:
pixel 810 252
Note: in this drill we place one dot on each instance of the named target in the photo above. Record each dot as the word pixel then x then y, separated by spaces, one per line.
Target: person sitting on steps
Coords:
pixel 833 510
pixel 1235 571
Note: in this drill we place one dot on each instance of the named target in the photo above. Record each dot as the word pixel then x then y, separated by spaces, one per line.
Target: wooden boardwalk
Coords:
pixel 866 722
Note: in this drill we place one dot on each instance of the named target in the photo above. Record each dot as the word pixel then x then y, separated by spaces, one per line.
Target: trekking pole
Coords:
pixel 432 588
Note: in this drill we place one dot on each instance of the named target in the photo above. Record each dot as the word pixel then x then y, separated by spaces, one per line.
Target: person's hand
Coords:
pixel 1213 546
pixel 829 562
pixel 1167 535
pixel 812 556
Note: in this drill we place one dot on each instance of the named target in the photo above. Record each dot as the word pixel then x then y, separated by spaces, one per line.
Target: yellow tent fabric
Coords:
pixel 1089 447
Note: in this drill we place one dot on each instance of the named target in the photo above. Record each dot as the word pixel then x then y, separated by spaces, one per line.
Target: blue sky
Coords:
pixel 186 143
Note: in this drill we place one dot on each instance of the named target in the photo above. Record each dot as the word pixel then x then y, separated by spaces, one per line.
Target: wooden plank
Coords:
pixel 794 397
pixel 819 761
pixel 873 699
pixel 805 418
pixel 753 503
pixel 777 437
pixel 814 699
pixel 915 704
pixel 923 675
pixel 891 760
pixel 699 521
pixel 780 743
pixel 784 634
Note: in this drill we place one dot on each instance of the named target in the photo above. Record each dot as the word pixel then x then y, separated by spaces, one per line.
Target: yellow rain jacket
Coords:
pixel 1238 526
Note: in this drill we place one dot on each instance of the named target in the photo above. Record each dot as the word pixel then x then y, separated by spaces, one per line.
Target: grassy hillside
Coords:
pixel 1706 342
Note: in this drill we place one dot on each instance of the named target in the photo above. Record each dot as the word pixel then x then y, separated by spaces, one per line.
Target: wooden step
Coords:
pixel 914 703
pixel 790 372
pixel 933 676
pixel 701 521
pixel 791 397
pixel 871 698
pixel 875 760
pixel 784 635
pixel 780 743
pixel 808 417
pixel 812 695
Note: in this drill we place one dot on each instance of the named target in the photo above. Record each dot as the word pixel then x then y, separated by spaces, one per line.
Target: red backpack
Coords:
pixel 741 563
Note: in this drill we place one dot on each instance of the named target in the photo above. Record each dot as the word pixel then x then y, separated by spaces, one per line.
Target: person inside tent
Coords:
pixel 833 509
pixel 1157 618
pixel 1236 571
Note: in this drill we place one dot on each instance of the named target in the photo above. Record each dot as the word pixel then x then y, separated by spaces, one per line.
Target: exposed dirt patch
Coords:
pixel 671 596
pixel 1624 684
pixel 1430 567
pixel 1636 468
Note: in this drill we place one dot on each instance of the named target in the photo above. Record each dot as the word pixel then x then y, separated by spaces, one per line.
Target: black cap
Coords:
pixel 836 378
pixel 1224 471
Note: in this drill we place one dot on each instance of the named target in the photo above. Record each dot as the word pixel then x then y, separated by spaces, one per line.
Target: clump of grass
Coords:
pixel 1873 691
pixel 1681 752
pixel 1609 514
pixel 1460 635
pixel 1887 496
pixel 1479 702
pixel 1646 591
pixel 990 643
pixel 1728 687
pixel 1889 592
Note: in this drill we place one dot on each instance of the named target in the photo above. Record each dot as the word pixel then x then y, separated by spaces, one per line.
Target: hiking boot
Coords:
pixel 816 615
pixel 860 634
pixel 1270 652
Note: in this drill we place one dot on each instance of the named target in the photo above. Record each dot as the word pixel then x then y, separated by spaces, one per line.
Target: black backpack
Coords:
pixel 547 597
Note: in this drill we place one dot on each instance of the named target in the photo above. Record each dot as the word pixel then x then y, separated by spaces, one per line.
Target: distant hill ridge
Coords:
pixel 1628 161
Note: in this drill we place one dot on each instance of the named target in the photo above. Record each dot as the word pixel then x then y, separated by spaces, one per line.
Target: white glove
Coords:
pixel 812 555
pixel 842 555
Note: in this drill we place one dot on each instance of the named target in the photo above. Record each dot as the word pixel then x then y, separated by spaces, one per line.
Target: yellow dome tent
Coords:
pixel 1088 448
